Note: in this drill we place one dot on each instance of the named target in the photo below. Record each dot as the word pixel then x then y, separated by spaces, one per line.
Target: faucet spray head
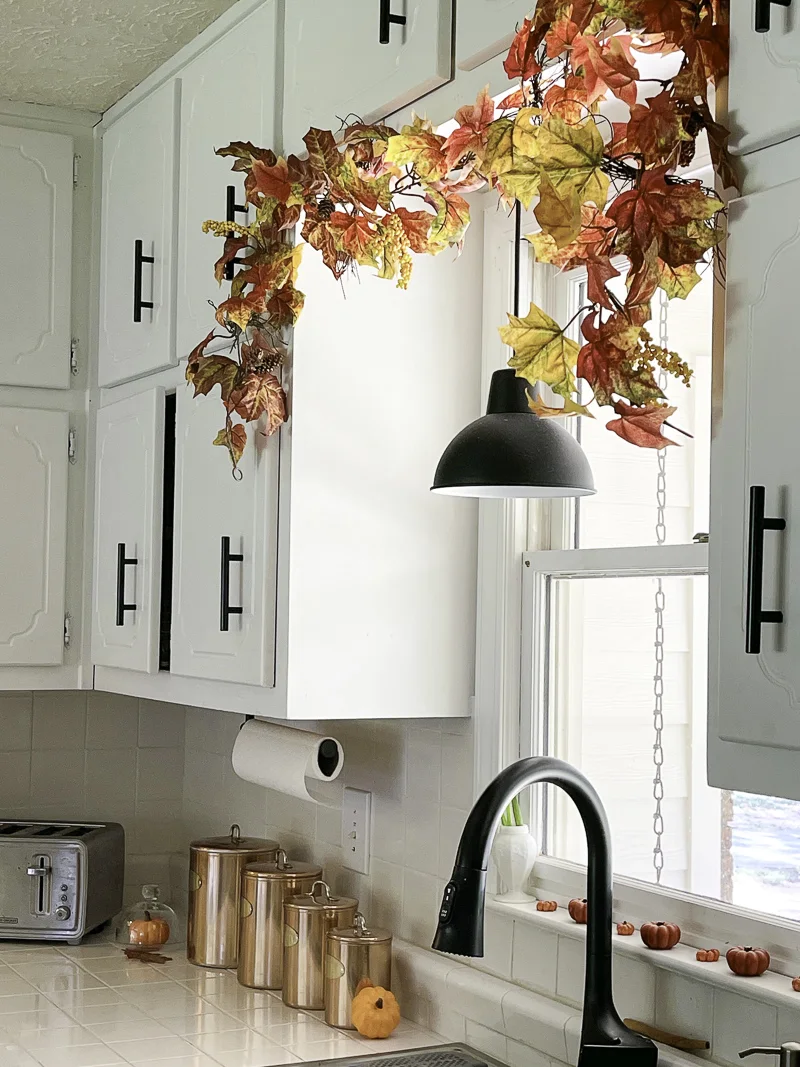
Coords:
pixel 460 929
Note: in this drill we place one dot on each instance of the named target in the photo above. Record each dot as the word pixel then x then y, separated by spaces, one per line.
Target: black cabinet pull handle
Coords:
pixel 226 558
pixel 230 216
pixel 138 259
pixel 756 616
pixel 388 20
pixel 123 561
pixel 763 13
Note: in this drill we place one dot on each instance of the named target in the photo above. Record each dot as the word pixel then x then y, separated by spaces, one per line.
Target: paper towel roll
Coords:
pixel 281 758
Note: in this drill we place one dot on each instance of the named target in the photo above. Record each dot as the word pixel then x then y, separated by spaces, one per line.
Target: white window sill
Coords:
pixel 771 988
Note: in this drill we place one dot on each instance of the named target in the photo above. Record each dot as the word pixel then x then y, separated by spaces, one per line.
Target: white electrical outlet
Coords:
pixel 356 809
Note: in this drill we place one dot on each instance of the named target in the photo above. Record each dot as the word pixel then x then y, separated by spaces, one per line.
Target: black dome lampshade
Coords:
pixel 510 452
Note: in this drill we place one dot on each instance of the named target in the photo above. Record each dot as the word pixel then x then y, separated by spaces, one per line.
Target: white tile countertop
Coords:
pixel 88 1006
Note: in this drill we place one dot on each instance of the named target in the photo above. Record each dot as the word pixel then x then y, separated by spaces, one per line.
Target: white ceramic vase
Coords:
pixel 514 852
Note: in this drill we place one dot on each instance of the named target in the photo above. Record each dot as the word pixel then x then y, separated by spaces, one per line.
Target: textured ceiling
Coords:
pixel 88 53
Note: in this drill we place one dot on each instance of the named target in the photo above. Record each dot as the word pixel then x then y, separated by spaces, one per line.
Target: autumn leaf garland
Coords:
pixel 602 192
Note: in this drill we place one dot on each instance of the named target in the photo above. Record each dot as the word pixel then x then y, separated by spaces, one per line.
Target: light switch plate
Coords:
pixel 356 822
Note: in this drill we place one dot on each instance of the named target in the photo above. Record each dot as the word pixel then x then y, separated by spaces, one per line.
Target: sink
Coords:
pixel 433 1056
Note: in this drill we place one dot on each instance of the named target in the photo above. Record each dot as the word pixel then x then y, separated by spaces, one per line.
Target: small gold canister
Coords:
pixel 355 956
pixel 306 922
pixel 215 872
pixel 265 886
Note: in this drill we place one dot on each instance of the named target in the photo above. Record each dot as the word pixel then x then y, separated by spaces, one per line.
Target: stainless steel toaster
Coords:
pixel 59 880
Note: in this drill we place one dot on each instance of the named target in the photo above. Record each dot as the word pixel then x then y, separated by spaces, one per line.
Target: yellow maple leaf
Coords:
pixel 542 351
pixel 559 216
pixel 545 411
pixel 572 155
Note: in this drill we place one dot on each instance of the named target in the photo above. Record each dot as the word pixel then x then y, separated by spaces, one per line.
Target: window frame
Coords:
pixel 510 577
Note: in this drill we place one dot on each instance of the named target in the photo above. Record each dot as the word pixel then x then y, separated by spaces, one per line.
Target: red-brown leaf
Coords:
pixel 521 60
pixel 641 425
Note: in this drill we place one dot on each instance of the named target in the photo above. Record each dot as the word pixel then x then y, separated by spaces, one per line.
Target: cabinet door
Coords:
pixel 127 551
pixel 764 90
pixel 138 223
pixel 227 94
pixel 33 536
pixel 35 257
pixel 213 509
pixel 337 66
pixel 486 28
pixel 754 711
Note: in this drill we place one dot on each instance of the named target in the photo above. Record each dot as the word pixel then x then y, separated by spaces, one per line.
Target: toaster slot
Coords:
pixel 40 871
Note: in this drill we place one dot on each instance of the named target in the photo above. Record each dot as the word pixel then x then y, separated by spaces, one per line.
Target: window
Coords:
pixel 612 675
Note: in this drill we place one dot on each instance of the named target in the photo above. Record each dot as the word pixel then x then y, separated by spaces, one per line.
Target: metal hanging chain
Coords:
pixel 660 604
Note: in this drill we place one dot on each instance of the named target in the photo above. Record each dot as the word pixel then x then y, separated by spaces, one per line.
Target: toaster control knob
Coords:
pixel 63 912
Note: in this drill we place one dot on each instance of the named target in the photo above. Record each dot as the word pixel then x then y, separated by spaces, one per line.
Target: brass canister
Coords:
pixel 355 956
pixel 306 922
pixel 265 886
pixel 215 871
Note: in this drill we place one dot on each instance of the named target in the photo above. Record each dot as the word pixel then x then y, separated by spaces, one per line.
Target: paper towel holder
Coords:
pixel 328 755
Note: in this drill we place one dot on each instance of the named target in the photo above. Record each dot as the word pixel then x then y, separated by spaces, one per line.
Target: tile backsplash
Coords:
pixel 68 755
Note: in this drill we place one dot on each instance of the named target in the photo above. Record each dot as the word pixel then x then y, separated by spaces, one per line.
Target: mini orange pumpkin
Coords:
pixel 578 910
pixel 661 935
pixel 796 985
pixel 707 955
pixel 747 962
pixel 625 929
pixel 546 905
pixel 375 1012
pixel 148 931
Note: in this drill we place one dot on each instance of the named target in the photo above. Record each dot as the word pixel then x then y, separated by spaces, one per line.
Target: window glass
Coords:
pixel 600 680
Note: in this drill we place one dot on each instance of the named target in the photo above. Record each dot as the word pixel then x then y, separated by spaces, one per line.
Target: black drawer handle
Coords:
pixel 763 13
pixel 138 259
pixel 388 20
pixel 226 558
pixel 123 561
pixel 230 216
pixel 756 616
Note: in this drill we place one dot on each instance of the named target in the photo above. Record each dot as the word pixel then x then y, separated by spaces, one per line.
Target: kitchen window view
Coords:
pixel 619 668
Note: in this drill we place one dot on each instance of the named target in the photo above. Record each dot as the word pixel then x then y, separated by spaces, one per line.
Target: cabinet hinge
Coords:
pixel 72 446
pixel 73 355
pixel 75 160
pixel 67 630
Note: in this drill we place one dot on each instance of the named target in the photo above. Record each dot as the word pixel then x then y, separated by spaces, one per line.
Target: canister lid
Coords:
pixel 359 933
pixel 234 842
pixel 282 868
pixel 320 899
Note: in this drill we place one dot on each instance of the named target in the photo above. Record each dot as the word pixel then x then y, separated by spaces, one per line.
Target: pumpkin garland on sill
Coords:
pixel 371 196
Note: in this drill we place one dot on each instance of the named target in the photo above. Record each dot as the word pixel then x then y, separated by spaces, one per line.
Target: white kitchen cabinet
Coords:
pixel 127 549
pixel 764 89
pixel 754 696
pixel 33 536
pixel 138 240
pixel 228 93
pixel 35 257
pixel 486 28
pixel 224 551
pixel 336 65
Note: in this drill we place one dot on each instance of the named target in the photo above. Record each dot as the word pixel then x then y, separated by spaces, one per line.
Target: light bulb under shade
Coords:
pixel 512 453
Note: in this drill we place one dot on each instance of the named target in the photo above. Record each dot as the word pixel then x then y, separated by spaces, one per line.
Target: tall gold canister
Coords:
pixel 306 922
pixel 265 886
pixel 355 956
pixel 215 871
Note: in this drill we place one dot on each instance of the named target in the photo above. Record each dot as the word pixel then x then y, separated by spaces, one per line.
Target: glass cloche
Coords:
pixel 148 924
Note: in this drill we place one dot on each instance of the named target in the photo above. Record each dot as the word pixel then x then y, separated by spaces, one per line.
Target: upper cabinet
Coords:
pixel 227 94
pixel 138 255
pixel 35 257
pixel 33 535
pixel 225 550
pixel 485 29
pixel 337 67
pixel 764 89
pixel 127 544
pixel 754 662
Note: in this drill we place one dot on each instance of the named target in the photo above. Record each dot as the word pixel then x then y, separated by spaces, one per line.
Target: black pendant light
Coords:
pixel 510 452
